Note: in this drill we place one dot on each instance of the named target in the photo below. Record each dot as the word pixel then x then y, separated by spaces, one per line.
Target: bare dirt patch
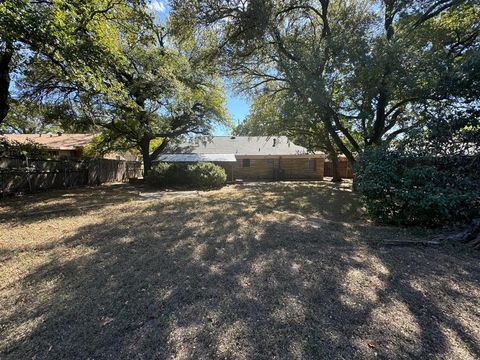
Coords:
pixel 280 270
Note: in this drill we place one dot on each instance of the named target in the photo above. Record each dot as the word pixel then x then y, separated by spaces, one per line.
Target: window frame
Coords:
pixel 314 162
pixel 246 163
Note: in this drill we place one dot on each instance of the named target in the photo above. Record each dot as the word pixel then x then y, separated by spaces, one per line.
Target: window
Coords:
pixel 246 163
pixel 312 164
pixel 270 163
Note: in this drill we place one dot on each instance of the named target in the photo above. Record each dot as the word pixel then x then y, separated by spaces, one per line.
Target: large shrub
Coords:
pixel 430 179
pixel 192 176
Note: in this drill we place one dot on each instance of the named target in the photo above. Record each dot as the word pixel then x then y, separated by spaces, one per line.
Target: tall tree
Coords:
pixel 369 68
pixel 76 36
pixel 164 88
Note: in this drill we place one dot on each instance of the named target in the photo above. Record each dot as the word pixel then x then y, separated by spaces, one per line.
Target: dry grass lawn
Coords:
pixel 267 271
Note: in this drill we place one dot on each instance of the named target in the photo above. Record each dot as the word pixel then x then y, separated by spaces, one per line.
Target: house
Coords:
pixel 64 145
pixel 252 157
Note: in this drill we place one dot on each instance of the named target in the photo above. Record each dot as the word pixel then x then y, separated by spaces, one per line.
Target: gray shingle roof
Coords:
pixel 241 145
pixel 197 157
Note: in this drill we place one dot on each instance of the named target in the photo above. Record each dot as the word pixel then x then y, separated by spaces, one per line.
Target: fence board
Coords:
pixel 18 175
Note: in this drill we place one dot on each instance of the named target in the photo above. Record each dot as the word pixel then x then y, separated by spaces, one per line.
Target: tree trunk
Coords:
pixel 148 156
pixel 354 184
pixel 147 160
pixel 332 154
pixel 383 90
pixel 332 131
pixel 336 175
pixel 5 61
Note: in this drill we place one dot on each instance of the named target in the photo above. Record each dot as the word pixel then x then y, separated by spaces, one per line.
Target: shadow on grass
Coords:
pixel 32 208
pixel 222 276
pixel 332 201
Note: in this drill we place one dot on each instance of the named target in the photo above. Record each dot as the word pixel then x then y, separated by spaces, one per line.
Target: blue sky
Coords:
pixel 238 106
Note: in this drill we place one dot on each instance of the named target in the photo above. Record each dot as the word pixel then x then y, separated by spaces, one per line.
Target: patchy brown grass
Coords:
pixel 285 270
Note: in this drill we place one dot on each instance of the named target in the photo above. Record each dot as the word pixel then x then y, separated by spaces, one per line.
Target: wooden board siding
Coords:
pixel 299 169
pixel 344 169
pixel 274 168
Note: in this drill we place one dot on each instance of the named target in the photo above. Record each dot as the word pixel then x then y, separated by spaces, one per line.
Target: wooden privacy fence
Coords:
pixel 344 169
pixel 19 175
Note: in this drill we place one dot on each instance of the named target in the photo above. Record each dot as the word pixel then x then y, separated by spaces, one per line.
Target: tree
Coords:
pixel 175 92
pixel 430 177
pixel 371 70
pixel 26 117
pixel 76 36
pixel 164 89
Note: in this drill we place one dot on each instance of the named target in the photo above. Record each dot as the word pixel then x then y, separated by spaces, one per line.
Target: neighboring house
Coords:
pixel 252 157
pixel 64 145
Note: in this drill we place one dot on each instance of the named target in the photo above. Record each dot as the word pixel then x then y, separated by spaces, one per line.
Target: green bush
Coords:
pixel 402 189
pixel 431 177
pixel 157 176
pixel 191 176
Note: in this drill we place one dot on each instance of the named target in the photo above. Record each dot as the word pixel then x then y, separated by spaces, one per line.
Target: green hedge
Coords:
pixel 431 177
pixel 201 175
pixel 401 189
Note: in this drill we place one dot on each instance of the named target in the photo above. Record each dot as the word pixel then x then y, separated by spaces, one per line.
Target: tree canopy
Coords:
pixel 107 66
pixel 345 75
pixel 159 88
pixel 368 70
pixel 77 37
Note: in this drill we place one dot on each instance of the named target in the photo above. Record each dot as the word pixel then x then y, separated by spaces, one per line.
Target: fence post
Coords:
pixel 65 176
pixel 28 175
